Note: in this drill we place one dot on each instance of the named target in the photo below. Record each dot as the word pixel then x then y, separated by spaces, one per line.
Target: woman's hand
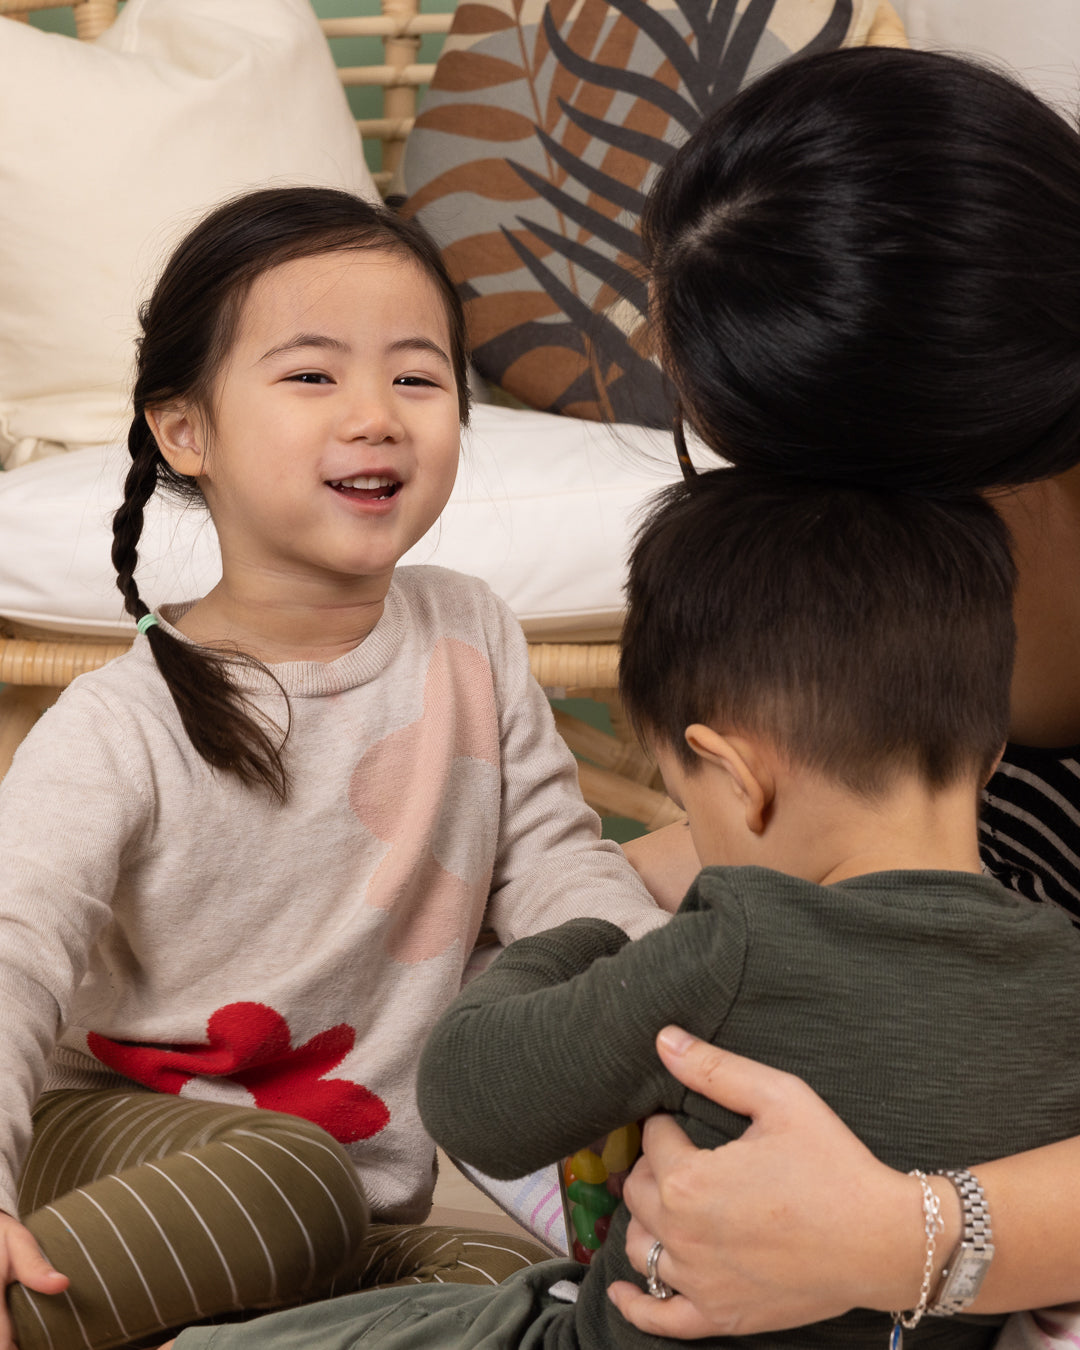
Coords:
pixel 21 1259
pixel 793 1222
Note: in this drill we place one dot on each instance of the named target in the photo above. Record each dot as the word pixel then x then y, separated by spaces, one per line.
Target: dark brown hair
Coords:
pixel 862 632
pixel 188 326
pixel 867 267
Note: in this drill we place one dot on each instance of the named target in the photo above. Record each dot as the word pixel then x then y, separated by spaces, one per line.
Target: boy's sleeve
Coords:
pixel 551 864
pixel 555 1044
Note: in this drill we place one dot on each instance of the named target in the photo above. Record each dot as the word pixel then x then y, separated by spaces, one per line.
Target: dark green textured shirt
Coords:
pixel 936 1012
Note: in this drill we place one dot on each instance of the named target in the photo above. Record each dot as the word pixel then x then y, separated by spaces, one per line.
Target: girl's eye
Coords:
pixel 420 381
pixel 309 377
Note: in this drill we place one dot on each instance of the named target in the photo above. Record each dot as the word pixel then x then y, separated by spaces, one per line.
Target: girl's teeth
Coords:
pixel 367 484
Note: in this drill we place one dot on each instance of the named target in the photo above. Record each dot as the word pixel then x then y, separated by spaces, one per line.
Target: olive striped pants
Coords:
pixel 164 1212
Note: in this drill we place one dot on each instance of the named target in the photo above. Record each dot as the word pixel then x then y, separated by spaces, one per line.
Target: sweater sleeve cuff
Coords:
pixel 559 953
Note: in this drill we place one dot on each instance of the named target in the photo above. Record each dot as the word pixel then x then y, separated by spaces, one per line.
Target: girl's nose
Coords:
pixel 373 420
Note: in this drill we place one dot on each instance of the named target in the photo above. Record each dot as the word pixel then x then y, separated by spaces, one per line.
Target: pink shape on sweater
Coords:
pixel 250 1044
pixel 399 791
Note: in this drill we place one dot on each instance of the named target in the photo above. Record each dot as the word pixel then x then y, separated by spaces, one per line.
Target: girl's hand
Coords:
pixel 21 1259
pixel 793 1222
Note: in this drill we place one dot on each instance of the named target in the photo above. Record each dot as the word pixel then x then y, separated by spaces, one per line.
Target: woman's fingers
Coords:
pixel 792 1222
pixel 742 1085
pixel 676 1317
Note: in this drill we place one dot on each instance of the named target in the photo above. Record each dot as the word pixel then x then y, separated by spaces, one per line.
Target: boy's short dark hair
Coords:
pixel 862 632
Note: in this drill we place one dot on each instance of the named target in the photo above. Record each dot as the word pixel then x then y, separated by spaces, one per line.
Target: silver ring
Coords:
pixel 657 1287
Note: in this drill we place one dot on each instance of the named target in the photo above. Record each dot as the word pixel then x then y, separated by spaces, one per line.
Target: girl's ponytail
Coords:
pixel 222 725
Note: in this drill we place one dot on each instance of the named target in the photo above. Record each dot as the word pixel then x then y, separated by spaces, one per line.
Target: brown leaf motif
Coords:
pixel 488 254
pixel 477 120
pixel 469 71
pixel 489 316
pixel 476 19
pixel 493 179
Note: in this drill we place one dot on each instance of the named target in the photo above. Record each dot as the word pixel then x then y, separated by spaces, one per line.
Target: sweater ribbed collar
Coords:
pixel 311 679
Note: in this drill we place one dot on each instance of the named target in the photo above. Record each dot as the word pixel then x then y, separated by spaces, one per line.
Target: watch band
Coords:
pixel 967 1266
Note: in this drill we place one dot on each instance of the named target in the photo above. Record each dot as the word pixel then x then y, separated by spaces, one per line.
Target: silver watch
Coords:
pixel 967 1266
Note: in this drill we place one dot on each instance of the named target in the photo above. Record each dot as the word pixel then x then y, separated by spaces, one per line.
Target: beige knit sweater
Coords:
pixel 162 923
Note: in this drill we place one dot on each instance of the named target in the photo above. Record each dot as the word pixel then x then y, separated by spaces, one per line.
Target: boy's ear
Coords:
pixel 751 777
pixel 180 437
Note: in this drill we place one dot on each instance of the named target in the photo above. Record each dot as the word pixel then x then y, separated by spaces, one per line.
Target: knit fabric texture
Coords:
pixel 934 1011
pixel 167 925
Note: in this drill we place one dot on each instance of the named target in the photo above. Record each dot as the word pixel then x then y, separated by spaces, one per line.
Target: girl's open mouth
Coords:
pixel 376 489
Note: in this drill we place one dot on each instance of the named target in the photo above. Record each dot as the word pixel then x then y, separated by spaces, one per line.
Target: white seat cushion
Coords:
pixel 543 510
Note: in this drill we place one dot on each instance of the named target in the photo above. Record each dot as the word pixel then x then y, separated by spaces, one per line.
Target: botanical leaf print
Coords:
pixel 532 157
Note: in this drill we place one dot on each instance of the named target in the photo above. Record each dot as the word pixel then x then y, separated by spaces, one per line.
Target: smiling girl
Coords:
pixel 245 864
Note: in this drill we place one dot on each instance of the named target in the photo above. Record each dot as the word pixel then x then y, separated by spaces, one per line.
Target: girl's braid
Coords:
pixel 139 487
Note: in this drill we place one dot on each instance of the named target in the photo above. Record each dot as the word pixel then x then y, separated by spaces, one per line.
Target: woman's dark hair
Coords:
pixel 867 267
pixel 862 632
pixel 188 327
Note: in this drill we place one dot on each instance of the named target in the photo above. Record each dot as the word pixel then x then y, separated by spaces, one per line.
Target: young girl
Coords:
pixel 245 864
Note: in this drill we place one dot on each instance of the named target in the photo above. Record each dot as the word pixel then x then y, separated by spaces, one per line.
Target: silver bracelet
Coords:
pixel 967 1266
pixel 932 1226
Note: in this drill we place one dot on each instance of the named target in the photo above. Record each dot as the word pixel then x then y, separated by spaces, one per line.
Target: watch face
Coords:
pixel 967 1274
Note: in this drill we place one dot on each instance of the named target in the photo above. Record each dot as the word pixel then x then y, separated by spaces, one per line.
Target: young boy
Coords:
pixel 823 673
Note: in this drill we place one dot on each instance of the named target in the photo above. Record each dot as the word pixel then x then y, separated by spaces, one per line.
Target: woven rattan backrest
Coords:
pixel 399 24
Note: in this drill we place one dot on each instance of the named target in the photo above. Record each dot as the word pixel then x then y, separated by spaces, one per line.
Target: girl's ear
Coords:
pixel 179 434
pixel 748 770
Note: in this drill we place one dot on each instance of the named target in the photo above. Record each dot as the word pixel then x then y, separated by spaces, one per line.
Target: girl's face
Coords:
pixel 335 433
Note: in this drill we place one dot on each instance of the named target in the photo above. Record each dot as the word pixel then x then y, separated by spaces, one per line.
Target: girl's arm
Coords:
pixel 666 862
pixel 551 864
pixel 68 807
pixel 796 1221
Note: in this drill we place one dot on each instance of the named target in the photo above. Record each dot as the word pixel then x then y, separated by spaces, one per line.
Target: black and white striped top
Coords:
pixel 1029 831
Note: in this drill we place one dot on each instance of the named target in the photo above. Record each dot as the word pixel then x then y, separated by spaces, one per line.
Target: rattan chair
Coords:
pixel 616 778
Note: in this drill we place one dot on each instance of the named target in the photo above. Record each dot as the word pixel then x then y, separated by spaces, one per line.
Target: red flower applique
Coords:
pixel 250 1044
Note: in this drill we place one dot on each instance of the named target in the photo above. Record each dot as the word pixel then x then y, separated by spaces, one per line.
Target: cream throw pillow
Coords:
pixel 111 150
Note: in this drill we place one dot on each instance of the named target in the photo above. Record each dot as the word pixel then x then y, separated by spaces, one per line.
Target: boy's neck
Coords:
pixel 825 833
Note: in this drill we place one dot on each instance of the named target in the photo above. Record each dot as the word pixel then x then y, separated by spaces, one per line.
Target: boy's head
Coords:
pixel 864 635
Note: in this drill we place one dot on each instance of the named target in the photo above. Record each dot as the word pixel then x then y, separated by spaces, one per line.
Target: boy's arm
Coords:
pixel 554 1045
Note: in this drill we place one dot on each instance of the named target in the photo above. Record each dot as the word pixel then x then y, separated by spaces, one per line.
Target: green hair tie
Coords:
pixel 147 621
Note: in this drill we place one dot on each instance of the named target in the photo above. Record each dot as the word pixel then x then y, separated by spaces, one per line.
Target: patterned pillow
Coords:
pixel 532 154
